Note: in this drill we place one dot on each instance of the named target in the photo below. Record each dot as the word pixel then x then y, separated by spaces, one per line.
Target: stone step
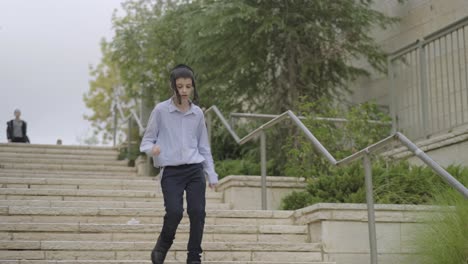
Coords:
pixel 213 251
pixel 146 262
pixel 213 204
pixel 152 237
pixel 53 156
pixel 88 195
pixel 75 215
pixel 137 212
pixel 85 162
pixel 67 167
pixel 68 174
pixel 58 149
pixel 148 184
pixel 149 233
pixel 142 219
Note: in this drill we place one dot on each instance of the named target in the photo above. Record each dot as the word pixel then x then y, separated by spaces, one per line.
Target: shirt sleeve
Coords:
pixel 205 151
pixel 151 132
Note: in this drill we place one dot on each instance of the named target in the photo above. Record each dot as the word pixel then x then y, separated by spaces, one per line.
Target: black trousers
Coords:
pixel 175 180
pixel 19 140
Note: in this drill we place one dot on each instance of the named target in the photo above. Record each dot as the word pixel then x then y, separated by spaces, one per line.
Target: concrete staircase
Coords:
pixel 68 204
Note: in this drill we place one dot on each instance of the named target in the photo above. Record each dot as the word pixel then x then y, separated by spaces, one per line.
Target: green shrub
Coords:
pixel 394 183
pixel 341 139
pixel 297 200
pixel 238 167
pixel 445 238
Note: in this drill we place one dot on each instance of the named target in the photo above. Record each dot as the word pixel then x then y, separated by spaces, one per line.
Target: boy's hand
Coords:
pixel 213 186
pixel 156 150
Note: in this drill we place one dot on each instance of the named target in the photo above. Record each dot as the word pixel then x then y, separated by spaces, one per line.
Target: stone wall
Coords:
pixel 343 231
pixel 244 192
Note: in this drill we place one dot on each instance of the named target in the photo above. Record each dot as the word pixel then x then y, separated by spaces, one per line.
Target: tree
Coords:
pixel 145 45
pixel 250 55
pixel 99 98
pixel 263 55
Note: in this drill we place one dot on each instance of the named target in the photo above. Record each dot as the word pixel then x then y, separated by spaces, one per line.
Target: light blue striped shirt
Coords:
pixel 182 137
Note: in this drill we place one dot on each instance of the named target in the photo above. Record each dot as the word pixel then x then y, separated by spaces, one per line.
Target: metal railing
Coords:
pixel 428 82
pixel 118 110
pixel 364 154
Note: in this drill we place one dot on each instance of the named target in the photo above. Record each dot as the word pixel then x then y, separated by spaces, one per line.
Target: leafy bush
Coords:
pixel 340 138
pixel 237 167
pixel 394 183
pixel 297 200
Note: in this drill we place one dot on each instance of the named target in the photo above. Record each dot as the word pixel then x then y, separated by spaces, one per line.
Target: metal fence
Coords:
pixel 429 83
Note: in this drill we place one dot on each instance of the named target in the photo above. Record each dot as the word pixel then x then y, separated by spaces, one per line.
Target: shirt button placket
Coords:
pixel 182 137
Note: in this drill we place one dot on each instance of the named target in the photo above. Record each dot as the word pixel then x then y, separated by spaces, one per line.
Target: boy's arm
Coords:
pixel 205 151
pixel 8 131
pixel 151 133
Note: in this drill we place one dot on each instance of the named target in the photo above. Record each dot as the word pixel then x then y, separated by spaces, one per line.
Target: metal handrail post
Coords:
pixel 392 93
pixel 114 139
pixel 129 135
pixel 424 98
pixel 370 208
pixel 263 168
pixel 209 127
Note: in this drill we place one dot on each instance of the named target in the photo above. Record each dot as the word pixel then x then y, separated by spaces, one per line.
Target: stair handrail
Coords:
pixel 364 153
pixel 367 150
pixel 118 110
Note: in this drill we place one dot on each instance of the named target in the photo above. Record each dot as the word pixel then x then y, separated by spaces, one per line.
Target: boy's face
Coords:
pixel 185 88
pixel 17 114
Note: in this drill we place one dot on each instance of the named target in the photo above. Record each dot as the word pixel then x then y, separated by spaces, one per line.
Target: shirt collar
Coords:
pixel 173 108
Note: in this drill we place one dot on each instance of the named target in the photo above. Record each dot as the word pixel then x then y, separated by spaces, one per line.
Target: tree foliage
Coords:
pixel 249 55
pixel 263 55
pixel 340 138
pixel 105 80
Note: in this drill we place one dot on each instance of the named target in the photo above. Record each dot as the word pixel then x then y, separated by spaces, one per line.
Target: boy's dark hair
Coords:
pixel 183 71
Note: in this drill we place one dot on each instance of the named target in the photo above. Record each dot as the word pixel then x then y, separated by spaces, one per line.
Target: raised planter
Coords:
pixel 244 192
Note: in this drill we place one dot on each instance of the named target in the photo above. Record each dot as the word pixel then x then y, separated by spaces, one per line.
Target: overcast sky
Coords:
pixel 46 47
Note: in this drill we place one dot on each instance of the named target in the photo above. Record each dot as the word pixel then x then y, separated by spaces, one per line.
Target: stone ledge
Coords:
pixel 358 212
pixel 255 181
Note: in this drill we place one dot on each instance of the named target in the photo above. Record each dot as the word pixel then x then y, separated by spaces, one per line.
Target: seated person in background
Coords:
pixel 16 129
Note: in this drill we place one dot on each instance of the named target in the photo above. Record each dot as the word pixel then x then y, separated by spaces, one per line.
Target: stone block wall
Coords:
pixel 343 231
